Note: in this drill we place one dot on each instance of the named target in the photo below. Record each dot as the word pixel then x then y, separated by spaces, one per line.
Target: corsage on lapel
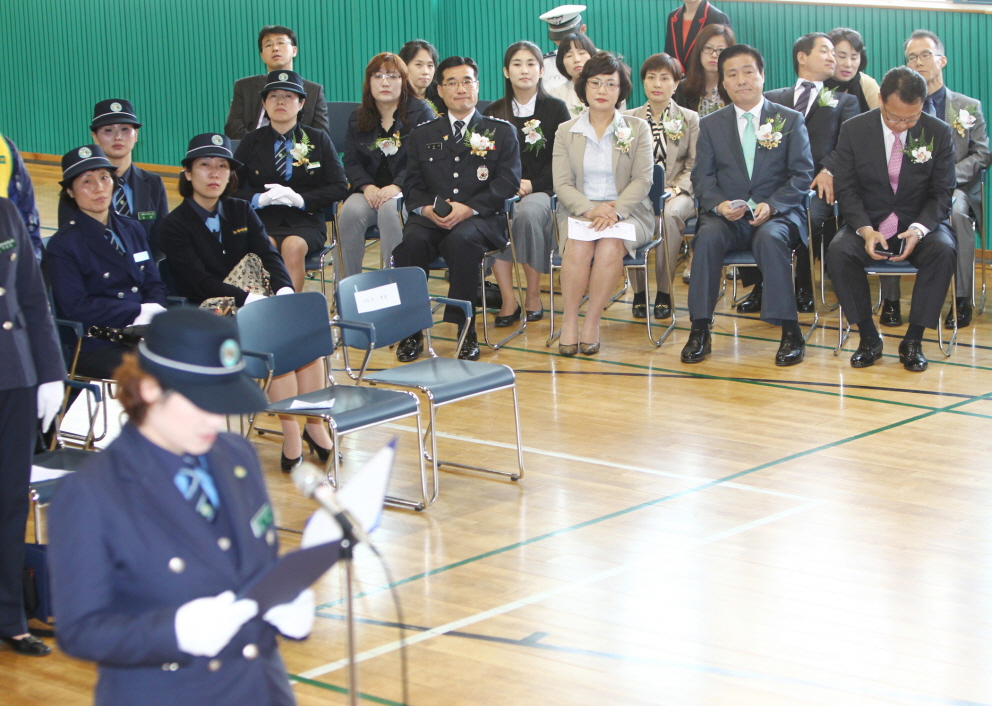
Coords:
pixel 388 145
pixel 623 134
pixel 673 125
pixel 769 133
pixel 533 136
pixel 480 143
pixel 965 119
pixel 825 98
pixel 918 150
pixel 300 151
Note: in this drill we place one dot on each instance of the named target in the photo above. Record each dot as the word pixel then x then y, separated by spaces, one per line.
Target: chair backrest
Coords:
pixel 338 113
pixel 295 328
pixel 402 294
pixel 658 189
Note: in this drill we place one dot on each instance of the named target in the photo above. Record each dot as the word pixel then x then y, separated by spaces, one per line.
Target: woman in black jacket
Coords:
pixel 375 160
pixel 290 173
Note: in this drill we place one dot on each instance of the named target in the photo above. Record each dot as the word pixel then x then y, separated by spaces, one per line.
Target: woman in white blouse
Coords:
pixel 602 166
pixel 573 53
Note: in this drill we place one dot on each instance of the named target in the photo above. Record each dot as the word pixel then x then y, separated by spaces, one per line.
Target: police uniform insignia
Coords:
pixel 230 353
pixel 217 140
pixel 116 107
pixel 7 245
pixel 283 76
pixel 482 173
pixel 262 520
pixel 85 153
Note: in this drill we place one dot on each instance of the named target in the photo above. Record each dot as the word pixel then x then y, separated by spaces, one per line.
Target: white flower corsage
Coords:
pixel 674 126
pixel 769 134
pixel 825 98
pixel 623 135
pixel 300 151
pixel 388 145
pixel 577 109
pixel 918 149
pixel 533 136
pixel 480 142
pixel 965 119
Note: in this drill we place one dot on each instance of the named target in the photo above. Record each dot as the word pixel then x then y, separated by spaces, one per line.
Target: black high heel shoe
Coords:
pixel 288 464
pixel 322 453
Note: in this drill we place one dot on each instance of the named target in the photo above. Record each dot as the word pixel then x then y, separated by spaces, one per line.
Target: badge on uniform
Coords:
pixel 7 245
pixel 146 215
pixel 483 173
pixel 141 256
pixel 262 520
pixel 434 145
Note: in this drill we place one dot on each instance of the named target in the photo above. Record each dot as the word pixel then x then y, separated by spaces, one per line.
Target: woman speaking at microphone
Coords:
pixel 151 541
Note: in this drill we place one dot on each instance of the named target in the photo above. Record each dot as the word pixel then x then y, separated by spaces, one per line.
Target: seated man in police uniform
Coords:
pixel 471 163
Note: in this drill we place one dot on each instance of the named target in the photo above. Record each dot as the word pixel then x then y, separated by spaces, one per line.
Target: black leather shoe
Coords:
pixel 697 347
pixel 804 301
pixel 911 356
pixel 470 348
pixel 639 309
pixel 315 448
pixel 868 352
pixel 964 314
pixel 752 303
pixel 410 348
pixel 504 321
pixel 288 464
pixel 535 315
pixel 891 315
pixel 791 350
pixel 662 311
pixel 29 646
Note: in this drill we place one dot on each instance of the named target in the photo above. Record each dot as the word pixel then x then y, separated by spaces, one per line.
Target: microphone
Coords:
pixel 309 480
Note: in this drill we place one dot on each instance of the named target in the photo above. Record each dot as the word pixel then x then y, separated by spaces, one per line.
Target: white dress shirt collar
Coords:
pixel 525 110
pixel 582 125
pixel 755 111
pixel 467 119
pixel 797 91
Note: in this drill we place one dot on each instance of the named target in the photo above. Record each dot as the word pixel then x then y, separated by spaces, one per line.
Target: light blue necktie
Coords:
pixel 749 142
pixel 197 486
pixel 213 224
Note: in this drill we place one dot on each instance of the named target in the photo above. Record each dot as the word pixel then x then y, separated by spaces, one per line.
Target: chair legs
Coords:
pixel 515 273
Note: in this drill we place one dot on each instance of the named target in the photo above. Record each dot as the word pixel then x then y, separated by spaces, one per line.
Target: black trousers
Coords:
pixel 101 362
pixel 18 425
pixel 462 248
pixel 824 227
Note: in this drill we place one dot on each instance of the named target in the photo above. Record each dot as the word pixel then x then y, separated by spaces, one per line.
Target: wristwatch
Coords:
pixel 917 231
pixel 827 172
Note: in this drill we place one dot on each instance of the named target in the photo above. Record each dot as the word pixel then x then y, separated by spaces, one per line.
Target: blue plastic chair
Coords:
pixel 405 309
pixel 295 329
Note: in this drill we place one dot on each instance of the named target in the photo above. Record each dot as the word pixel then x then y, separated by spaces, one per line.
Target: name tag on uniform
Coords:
pixel 146 215
pixel 141 256
pixel 7 245
pixel 433 145
pixel 262 520
pixel 313 165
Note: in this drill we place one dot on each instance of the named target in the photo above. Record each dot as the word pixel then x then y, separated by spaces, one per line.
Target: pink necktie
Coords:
pixel 890 226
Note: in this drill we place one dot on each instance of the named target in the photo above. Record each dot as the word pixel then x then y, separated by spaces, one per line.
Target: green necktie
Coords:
pixel 748 143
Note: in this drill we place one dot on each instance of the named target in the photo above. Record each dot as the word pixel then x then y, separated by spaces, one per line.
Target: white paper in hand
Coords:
pixel 582 230
pixel 737 203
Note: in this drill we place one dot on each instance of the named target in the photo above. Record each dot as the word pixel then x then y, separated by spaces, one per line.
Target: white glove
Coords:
pixel 148 312
pixel 267 198
pixel 294 620
pixel 252 297
pixel 285 290
pixel 295 200
pixel 204 626
pixel 50 396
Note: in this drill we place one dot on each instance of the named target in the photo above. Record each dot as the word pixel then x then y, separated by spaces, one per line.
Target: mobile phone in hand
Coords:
pixel 441 207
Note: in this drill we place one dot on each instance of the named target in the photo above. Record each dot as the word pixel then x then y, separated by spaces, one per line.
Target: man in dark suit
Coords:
pixel 277 47
pixel 824 111
pixel 471 163
pixel 30 389
pixel 139 194
pixel 753 168
pixel 893 176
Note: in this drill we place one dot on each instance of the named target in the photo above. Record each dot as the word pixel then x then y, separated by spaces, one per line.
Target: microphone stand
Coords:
pixel 347 558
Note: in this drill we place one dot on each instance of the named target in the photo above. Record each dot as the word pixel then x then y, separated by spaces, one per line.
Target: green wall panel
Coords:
pixel 177 59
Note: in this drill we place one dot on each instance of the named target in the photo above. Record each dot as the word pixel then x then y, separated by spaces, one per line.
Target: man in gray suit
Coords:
pixel 277 47
pixel 925 53
pixel 753 169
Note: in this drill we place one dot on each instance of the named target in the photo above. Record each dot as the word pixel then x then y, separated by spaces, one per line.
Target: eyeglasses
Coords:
pixel 596 84
pixel 280 44
pixel 922 56
pixel 465 83
pixel 909 122
pixel 386 77
pixel 715 51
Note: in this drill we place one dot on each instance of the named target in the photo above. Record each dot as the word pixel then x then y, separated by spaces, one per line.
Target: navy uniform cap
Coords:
pixel 210 144
pixel 285 81
pixel 114 111
pixel 198 355
pixel 83 159
pixel 563 20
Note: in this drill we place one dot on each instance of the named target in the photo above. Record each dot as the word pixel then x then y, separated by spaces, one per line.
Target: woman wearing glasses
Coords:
pixel 603 163
pixel 701 90
pixel 375 155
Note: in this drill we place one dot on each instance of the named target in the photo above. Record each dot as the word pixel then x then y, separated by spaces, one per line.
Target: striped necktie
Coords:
pixel 282 159
pixel 890 226
pixel 459 127
pixel 803 101
pixel 197 486
pixel 120 202
pixel 115 241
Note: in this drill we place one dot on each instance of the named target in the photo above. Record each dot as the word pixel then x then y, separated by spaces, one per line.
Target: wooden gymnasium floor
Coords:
pixel 725 533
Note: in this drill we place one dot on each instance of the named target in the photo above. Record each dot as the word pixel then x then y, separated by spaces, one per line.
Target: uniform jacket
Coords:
pixel 822 122
pixel 536 165
pixel 438 166
pixel 781 175
pixel 861 175
pixel 20 191
pixel 246 106
pixel 681 154
pixel 706 14
pixel 320 183
pixel 29 347
pixel 92 283
pixel 361 160
pixel 149 205
pixel 127 550
pixel 200 262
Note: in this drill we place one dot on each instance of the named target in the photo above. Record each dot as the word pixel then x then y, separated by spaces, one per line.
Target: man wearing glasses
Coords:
pixel 925 54
pixel 893 177
pixel 461 168
pixel 277 47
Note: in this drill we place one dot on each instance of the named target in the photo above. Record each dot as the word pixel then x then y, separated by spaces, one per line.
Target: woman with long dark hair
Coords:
pixel 849 75
pixel 421 59
pixel 701 90
pixel 375 157
pixel 536 115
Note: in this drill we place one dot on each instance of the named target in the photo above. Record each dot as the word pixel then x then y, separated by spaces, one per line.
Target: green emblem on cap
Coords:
pixel 116 107
pixel 283 76
pixel 217 140
pixel 230 353
pixel 85 153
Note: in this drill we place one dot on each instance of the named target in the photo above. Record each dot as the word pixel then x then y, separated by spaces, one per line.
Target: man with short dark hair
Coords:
pixel 470 163
pixel 277 47
pixel 893 177
pixel 753 168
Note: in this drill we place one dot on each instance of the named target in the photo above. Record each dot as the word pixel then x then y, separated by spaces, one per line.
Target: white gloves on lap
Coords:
pixel 204 626
pixel 295 619
pixel 49 402
pixel 280 195
pixel 148 312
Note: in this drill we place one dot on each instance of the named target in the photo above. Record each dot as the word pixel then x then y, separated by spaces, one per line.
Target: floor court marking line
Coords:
pixel 550 593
